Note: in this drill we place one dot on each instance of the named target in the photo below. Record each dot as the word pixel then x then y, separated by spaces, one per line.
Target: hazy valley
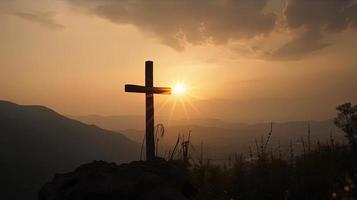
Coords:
pixel 221 139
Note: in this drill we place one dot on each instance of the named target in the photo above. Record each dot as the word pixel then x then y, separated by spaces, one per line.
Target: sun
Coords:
pixel 179 89
pixel 182 100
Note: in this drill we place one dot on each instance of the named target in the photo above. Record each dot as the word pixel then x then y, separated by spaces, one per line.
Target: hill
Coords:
pixel 36 142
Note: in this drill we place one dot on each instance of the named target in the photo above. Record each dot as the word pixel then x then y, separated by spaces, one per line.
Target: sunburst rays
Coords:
pixel 181 101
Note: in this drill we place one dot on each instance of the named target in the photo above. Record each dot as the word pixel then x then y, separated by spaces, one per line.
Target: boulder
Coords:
pixel 137 180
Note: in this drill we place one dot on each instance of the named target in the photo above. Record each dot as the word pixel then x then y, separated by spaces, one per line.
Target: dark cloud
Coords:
pixel 352 13
pixel 178 22
pixel 42 18
pixel 299 47
pixel 327 15
pixel 192 21
pixel 316 18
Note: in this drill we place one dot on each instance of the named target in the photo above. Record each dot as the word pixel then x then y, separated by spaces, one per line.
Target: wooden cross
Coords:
pixel 149 91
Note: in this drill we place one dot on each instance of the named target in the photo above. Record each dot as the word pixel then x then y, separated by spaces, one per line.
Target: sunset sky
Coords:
pixel 241 60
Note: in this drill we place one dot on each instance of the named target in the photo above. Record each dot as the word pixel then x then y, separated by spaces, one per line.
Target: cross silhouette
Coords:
pixel 149 91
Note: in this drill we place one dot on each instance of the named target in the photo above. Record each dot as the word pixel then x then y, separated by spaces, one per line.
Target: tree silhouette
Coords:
pixel 346 120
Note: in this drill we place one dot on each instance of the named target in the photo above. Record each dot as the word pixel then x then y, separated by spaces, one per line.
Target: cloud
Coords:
pixel 42 18
pixel 177 22
pixel 299 47
pixel 353 16
pixel 317 18
pixel 327 15
pixel 5 6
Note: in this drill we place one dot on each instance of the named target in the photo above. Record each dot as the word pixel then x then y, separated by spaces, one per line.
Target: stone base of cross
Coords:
pixel 149 91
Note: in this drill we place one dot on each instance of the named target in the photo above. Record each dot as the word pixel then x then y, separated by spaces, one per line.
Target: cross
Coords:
pixel 149 91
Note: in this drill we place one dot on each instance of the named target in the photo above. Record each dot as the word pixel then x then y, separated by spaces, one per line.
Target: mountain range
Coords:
pixel 36 143
pixel 220 139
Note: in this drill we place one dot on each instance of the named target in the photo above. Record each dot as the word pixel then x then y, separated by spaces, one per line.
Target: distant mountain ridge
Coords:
pixel 36 142
pixel 221 138
pixel 112 122
pixel 123 122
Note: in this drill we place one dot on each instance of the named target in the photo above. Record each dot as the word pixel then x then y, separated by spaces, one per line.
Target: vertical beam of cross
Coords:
pixel 149 83
pixel 149 91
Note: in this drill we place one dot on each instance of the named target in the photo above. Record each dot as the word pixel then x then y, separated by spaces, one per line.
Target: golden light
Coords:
pixel 181 100
pixel 179 89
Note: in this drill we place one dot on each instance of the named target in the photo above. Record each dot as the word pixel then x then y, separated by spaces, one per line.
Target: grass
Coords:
pixel 324 171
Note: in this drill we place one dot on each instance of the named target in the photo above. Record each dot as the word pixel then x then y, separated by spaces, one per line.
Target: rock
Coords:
pixel 137 180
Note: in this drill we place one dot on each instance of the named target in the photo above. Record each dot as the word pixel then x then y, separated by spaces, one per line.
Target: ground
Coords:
pixel 137 180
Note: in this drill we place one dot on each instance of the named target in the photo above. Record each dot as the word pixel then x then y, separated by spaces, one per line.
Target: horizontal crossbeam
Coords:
pixel 149 90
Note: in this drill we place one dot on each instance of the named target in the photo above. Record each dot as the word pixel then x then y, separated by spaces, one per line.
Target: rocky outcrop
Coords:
pixel 138 180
